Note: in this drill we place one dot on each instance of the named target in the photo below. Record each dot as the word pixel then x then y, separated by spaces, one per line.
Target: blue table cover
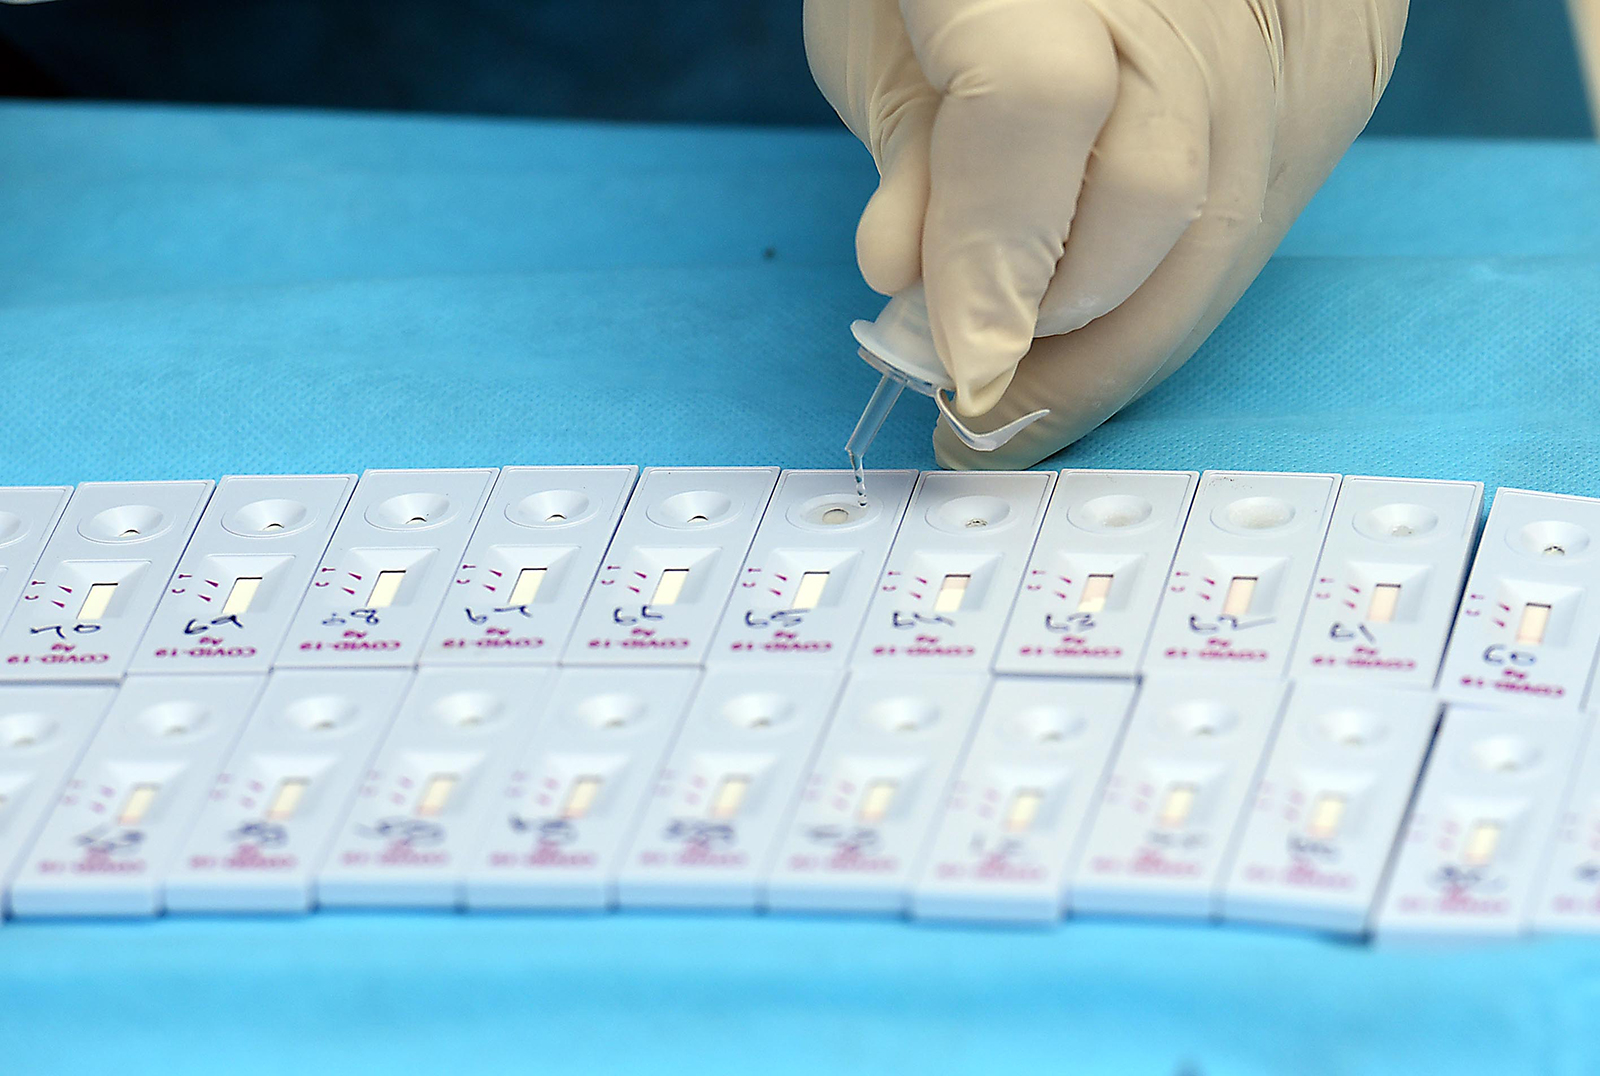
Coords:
pixel 193 293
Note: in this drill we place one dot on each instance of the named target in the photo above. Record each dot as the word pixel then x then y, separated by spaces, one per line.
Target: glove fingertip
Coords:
pixel 888 246
pixel 979 398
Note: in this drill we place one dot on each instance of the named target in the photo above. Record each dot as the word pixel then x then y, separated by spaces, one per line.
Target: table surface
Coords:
pixel 193 293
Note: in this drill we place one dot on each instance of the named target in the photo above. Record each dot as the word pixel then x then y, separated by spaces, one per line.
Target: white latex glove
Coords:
pixel 1107 175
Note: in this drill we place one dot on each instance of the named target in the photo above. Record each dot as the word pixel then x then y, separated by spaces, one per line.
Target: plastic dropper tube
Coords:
pixel 877 410
pixel 899 345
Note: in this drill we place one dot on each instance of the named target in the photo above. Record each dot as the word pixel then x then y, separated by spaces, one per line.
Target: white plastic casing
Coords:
pixel 1173 800
pixel 43 730
pixel 28 516
pixel 133 797
pixel 1018 811
pixel 1537 550
pixel 1250 536
pixel 556 834
pixel 806 583
pixel 724 793
pixel 1091 590
pixel 1468 860
pixel 673 563
pixel 869 805
pixel 114 549
pixel 1388 581
pixel 1328 806
pixel 270 530
pixel 288 783
pixel 954 571
pixel 380 584
pixel 1568 895
pixel 542 534
pixel 412 831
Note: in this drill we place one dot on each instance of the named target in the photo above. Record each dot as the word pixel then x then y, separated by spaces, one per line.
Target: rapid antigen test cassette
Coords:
pixel 868 807
pixel 374 597
pixel 1019 808
pixel 1098 569
pixel 412 831
pixel 1468 860
pixel 1322 821
pixel 243 575
pixel 1529 623
pixel 43 730
pixel 275 805
pixel 671 567
pixel 98 580
pixel 555 833
pixel 529 566
pixel 1388 581
pixel 811 569
pixel 953 571
pixel 708 832
pixel 1174 795
pixel 1243 569
pixel 28 517
pixel 133 797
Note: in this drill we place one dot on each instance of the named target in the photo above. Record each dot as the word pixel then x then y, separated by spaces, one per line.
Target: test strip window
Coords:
pixel 1024 810
pixel 526 588
pixel 809 593
pixel 1482 842
pixel 952 592
pixel 286 800
pixel 1241 592
pixel 1534 623
pixel 669 588
pixel 1175 809
pixel 730 797
pixel 436 795
pixel 580 801
pixel 137 805
pixel 1327 815
pixel 1385 600
pixel 1096 589
pixel 96 601
pixel 241 595
pixel 385 588
pixel 875 802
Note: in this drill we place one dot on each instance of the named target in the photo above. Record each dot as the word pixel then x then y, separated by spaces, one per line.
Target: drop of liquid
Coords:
pixel 861 478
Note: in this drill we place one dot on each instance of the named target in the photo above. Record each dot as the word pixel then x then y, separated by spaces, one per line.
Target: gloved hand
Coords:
pixel 1105 175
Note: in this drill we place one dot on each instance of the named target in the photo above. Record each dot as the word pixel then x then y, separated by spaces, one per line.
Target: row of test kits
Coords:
pixel 1268 697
